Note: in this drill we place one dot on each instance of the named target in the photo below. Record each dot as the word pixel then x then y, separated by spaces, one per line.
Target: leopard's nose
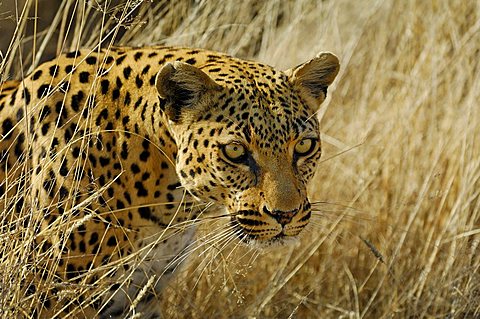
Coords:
pixel 282 217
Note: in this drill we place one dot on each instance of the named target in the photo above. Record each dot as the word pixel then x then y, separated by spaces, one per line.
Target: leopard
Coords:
pixel 110 156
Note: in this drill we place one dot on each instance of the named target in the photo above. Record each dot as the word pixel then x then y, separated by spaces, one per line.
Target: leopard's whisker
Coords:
pixel 200 244
pixel 227 240
pixel 194 246
pixel 209 246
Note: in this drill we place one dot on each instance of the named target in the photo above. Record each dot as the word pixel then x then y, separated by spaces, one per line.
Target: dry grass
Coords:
pixel 397 231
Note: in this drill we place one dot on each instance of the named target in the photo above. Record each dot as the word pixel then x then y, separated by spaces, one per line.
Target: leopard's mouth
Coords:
pixel 252 228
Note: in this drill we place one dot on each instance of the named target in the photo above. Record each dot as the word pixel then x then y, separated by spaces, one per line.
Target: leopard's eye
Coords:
pixel 305 147
pixel 235 152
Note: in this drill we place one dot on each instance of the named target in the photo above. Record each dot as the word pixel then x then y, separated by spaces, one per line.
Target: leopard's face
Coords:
pixel 249 145
pixel 257 169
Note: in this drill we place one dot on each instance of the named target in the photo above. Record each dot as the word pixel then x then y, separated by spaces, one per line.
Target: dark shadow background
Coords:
pixel 129 22
pixel 10 11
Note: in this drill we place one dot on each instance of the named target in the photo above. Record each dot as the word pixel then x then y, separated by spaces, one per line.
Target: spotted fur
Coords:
pixel 123 145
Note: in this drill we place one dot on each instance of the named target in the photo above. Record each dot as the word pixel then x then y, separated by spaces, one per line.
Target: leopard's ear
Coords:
pixel 184 88
pixel 313 77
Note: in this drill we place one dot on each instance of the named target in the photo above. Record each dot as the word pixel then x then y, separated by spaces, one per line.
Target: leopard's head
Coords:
pixel 248 138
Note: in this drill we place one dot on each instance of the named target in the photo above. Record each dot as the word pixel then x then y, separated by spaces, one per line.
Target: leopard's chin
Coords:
pixel 264 243
pixel 275 242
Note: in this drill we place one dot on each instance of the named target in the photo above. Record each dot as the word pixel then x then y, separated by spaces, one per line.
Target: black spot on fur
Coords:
pixel 138 81
pixel 144 156
pixel 84 77
pixel 124 152
pixel 93 160
pixel 137 56
pixel 53 70
pixel 137 104
pixel 191 61
pixel 73 54
pixel 76 152
pixel 135 169
pixel 19 114
pixel 103 114
pixel 81 247
pixel 104 84
pixel 115 94
pixel 104 161
pixel 146 69
pixel 45 128
pixel 120 59
pixel 93 239
pixel 127 100
pixel 37 75
pixel 63 168
pixel 141 191
pixel 76 100
pixel 112 241
pixel 44 113
pixel 19 145
pixel 63 192
pixel 43 90
pixel 91 60
pixel 13 97
pixel 126 72
pixel 145 213
pixel 174 186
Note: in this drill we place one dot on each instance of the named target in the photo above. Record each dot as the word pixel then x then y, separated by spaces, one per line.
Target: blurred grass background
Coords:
pixel 397 230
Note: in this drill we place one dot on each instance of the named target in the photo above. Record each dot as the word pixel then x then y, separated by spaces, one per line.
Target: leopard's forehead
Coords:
pixel 256 80
pixel 260 104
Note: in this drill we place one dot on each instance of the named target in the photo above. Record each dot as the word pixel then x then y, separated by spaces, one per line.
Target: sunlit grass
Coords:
pixel 396 232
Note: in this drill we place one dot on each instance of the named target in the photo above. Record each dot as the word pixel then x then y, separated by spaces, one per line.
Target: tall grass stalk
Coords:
pixel 396 229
